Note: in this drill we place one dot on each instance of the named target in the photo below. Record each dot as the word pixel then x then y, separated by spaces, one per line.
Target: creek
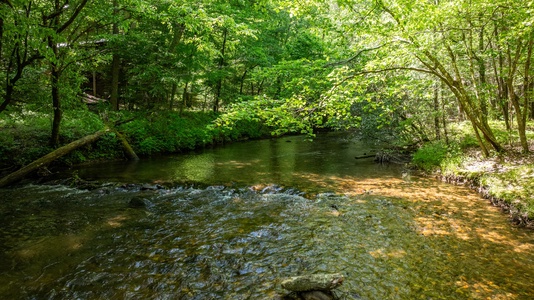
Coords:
pixel 231 222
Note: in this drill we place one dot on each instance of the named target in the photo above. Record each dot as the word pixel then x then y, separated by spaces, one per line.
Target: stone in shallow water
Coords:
pixel 321 282
pixel 316 295
pixel 139 202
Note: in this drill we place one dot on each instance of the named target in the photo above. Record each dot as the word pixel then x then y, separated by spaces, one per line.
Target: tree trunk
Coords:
pixel 242 82
pixel 521 109
pixel 55 74
pixel 115 64
pixel 115 73
pixel 260 86
pixel 436 112
pixel 481 64
pixel 50 157
pixel 177 37
pixel 94 84
pixel 480 141
pixel 527 93
pixel 1 36
pixel 220 67
pixel 11 82
pixel 56 105
pixel 498 70
pixel 444 121
pixel 458 88
pixel 8 96
pixel 184 98
pixel 128 150
pixel 173 94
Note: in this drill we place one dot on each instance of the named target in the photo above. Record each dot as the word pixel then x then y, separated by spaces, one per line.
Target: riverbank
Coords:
pixel 507 181
pixel 24 137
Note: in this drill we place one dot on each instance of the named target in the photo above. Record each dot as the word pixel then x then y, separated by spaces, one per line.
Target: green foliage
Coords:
pixel 23 137
pixel 305 46
pixel 468 141
pixel 79 123
pixel 433 155
pixel 168 132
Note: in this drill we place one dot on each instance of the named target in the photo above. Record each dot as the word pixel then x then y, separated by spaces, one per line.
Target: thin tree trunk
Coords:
pixel 521 109
pixel 173 94
pixel 526 96
pixel 436 112
pixel 56 105
pixel 55 74
pixel 115 73
pixel 482 73
pixel 220 67
pixel 8 96
pixel 260 86
pixel 184 98
pixel 115 64
pixel 498 70
pixel 94 83
pixel 1 36
pixel 444 122
pixel 242 82
pixel 177 37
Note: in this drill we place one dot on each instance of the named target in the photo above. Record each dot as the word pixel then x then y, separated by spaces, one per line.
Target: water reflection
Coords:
pixel 275 161
pixel 392 237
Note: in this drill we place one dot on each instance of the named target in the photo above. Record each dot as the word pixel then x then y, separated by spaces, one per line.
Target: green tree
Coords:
pixel 457 42
pixel 21 43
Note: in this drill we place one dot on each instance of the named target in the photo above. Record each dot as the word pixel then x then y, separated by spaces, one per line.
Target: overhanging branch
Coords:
pixel 346 61
pixel 421 70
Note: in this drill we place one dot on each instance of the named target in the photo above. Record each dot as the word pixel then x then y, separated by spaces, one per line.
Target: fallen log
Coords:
pixel 128 150
pixel 317 282
pixel 50 157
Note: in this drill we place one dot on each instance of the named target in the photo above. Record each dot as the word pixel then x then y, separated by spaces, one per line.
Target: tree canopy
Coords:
pixel 405 68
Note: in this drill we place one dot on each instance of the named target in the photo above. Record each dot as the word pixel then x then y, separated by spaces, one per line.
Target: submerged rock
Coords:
pixel 316 295
pixel 316 282
pixel 139 202
pixel 309 295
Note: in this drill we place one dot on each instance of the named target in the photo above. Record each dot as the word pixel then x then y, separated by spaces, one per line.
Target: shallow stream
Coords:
pixel 229 223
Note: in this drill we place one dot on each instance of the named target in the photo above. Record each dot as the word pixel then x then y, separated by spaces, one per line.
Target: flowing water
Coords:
pixel 232 222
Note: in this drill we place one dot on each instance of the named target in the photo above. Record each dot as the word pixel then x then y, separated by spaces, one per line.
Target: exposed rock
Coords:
pixel 321 282
pixel 139 202
pixel 149 187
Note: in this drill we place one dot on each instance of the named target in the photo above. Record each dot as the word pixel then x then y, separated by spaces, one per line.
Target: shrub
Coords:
pixel 432 155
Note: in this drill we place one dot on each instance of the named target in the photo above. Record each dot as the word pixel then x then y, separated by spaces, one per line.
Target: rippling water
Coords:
pixel 393 236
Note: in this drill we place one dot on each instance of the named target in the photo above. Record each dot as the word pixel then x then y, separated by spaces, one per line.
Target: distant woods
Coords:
pixel 392 69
